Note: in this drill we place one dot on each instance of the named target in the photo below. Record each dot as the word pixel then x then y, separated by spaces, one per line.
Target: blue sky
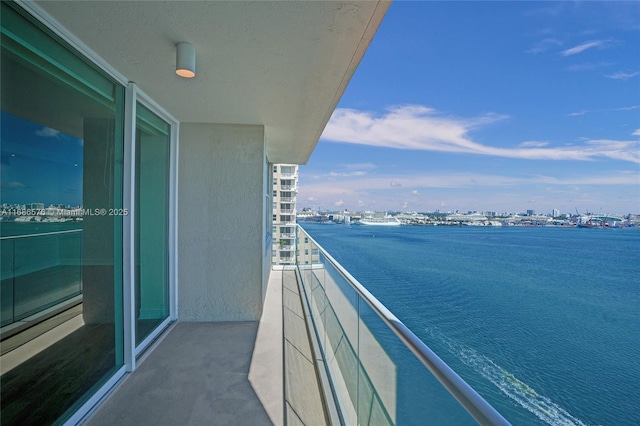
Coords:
pixel 502 106
pixel 39 164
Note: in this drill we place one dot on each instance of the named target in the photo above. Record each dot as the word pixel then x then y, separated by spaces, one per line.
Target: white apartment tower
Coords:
pixel 285 188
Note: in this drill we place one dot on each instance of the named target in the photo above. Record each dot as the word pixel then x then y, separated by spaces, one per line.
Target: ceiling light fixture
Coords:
pixel 185 60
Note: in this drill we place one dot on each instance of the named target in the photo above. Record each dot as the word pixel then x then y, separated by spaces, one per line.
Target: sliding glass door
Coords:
pixel 85 224
pixel 61 224
pixel 152 160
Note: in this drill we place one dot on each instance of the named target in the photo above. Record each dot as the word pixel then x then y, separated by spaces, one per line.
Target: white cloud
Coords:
pixel 588 66
pixel 361 166
pixel 584 112
pixel 47 132
pixel 415 192
pixel 378 185
pixel 636 132
pixel 535 144
pixel 544 45
pixel 405 127
pixel 485 191
pixel 621 178
pixel 350 170
pixel 395 184
pixel 347 174
pixel 584 46
pixel 619 150
pixel 622 75
pixel 416 127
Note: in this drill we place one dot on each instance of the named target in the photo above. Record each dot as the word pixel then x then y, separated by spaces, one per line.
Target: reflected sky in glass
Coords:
pixel 39 164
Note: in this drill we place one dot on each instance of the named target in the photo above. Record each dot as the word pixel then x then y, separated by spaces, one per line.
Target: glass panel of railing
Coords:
pixel 340 345
pixel 39 271
pixel 395 387
pixel 375 376
pixel 6 291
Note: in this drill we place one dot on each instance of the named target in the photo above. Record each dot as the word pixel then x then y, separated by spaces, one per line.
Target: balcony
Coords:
pixel 277 99
pixel 324 352
pixel 289 175
pixel 288 236
pixel 41 275
pixel 189 379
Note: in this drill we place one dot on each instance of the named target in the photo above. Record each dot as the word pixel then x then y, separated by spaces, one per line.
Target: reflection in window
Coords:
pixel 41 227
pixel 151 221
pixel 61 155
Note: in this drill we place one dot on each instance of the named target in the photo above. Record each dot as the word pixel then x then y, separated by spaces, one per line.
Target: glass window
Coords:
pixel 61 229
pixel 153 139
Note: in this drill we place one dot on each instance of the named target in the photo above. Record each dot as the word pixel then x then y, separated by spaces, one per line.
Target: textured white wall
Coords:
pixel 220 222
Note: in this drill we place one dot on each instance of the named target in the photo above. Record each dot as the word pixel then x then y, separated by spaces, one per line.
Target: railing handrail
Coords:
pixel 475 404
pixel 15 237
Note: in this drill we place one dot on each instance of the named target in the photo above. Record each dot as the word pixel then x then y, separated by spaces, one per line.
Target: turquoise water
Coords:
pixel 543 322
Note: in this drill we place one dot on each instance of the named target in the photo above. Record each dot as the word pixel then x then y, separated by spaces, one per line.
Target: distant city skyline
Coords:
pixel 490 213
pixel 502 106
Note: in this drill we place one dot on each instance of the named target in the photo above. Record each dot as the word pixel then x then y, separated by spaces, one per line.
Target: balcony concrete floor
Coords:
pixel 218 374
pixel 198 375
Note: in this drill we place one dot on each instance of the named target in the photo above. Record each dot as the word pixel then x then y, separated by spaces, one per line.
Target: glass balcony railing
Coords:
pixel 39 271
pixel 380 373
pixel 288 175
pixel 287 235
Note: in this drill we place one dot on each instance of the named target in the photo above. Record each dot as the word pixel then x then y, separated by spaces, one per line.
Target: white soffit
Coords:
pixel 281 64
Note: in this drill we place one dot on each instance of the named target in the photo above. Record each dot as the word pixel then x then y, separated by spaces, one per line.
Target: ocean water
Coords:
pixel 543 322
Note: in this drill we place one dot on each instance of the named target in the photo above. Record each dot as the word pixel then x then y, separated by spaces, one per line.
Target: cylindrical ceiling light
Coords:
pixel 185 60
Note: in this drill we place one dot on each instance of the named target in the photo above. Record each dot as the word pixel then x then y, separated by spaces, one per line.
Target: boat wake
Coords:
pixel 539 405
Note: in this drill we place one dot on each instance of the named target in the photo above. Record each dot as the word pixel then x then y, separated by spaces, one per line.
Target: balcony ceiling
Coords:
pixel 280 64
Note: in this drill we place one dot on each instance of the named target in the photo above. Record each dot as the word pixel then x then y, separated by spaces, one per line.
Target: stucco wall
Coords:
pixel 220 222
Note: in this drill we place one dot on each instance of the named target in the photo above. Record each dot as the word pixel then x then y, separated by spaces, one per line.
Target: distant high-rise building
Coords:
pixel 531 212
pixel 555 213
pixel 285 188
